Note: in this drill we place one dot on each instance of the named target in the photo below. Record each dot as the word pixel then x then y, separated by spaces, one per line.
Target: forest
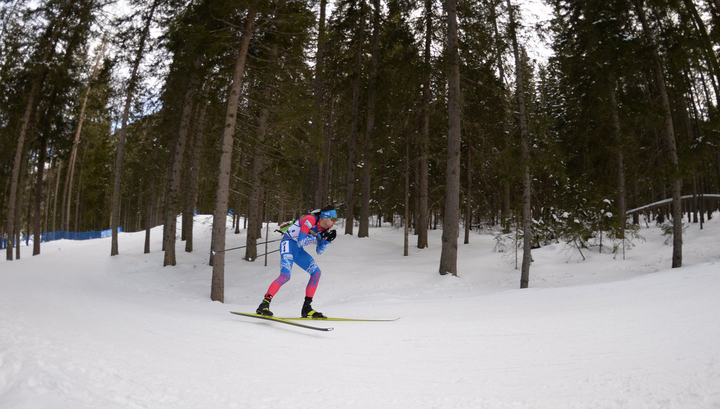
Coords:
pixel 422 114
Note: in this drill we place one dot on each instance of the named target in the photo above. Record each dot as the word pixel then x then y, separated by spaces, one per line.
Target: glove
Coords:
pixel 328 235
pixel 321 246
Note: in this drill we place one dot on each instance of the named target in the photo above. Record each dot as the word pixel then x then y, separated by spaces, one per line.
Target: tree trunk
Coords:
pixel 15 181
pixel 319 89
pixel 328 144
pixel 255 211
pixel 55 196
pixel 173 203
pixel 48 191
pixel 468 196
pixel 150 205
pixel 195 172
pixel 525 145
pixel 350 191
pixel 407 196
pixel 115 220
pixel 451 220
pixel 20 202
pixel 324 184
pixel 364 228
pixel 76 143
pixel 148 222
pixel 239 197
pixel 77 206
pixel 505 218
pixel 676 179
pixel 422 224
pixel 621 206
pixel 217 292
pixel 717 163
pixel 37 228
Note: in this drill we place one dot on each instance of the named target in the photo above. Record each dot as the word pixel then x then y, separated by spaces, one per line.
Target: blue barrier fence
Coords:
pixel 65 235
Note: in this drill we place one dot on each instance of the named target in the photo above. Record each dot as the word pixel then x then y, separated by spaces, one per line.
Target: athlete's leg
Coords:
pixel 288 249
pixel 306 262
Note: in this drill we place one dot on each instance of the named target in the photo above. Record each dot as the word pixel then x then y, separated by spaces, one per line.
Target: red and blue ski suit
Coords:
pixel 303 232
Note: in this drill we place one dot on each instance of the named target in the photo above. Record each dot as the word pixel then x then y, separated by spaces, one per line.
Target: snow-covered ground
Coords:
pixel 81 329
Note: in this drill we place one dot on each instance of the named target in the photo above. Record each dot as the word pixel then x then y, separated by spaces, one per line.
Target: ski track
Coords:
pixel 80 329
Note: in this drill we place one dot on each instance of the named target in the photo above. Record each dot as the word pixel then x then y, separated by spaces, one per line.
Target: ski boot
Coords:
pixel 308 312
pixel 264 308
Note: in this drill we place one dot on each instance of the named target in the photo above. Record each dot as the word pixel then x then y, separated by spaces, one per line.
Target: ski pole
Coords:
pixel 269 252
pixel 242 247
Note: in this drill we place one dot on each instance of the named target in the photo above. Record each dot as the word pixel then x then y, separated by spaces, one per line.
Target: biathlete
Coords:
pixel 305 231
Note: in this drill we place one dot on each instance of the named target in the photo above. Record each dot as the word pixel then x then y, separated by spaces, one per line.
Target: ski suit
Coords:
pixel 303 232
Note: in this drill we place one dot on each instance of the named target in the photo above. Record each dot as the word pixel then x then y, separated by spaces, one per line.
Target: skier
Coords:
pixel 306 230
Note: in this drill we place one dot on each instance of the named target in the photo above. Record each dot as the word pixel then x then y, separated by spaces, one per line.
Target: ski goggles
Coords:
pixel 329 214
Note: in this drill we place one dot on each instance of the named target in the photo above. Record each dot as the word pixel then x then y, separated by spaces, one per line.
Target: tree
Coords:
pixel 217 292
pixel 81 120
pixel 451 220
pixel 319 114
pixel 192 187
pixel 178 152
pixel 351 163
pixel 65 25
pixel 129 95
pixel 258 166
pixel 364 228
pixel 524 141
pixel 676 177
pixel 422 223
pixel 45 51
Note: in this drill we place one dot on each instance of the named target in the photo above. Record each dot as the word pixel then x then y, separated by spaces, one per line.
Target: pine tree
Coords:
pixel 368 162
pixel 525 144
pixel 359 35
pixel 129 95
pixel 422 223
pixel 451 220
pixel 669 137
pixel 48 70
pixel 217 292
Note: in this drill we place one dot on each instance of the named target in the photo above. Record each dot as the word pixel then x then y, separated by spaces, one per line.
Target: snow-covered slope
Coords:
pixel 81 329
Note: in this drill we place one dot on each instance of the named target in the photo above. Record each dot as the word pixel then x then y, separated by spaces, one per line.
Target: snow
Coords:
pixel 81 329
